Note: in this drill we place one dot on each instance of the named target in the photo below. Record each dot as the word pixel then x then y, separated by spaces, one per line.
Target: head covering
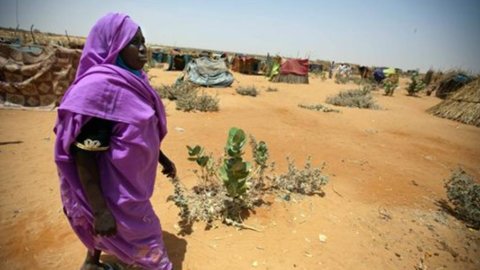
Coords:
pixel 106 90
pixel 107 38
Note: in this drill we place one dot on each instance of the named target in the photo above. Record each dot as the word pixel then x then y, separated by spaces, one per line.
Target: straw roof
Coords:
pixel 462 106
pixel 450 82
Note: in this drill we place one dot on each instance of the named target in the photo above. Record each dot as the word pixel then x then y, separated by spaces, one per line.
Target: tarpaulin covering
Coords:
pixel 295 66
pixel 208 72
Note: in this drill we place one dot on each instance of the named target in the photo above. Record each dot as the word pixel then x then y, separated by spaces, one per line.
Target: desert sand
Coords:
pixel 386 168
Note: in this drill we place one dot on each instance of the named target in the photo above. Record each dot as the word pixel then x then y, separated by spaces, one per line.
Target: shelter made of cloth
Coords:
pixel 205 71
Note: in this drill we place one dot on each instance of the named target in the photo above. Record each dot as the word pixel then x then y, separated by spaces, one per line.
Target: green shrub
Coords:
pixel 358 98
pixel 416 85
pixel 247 91
pixel 389 87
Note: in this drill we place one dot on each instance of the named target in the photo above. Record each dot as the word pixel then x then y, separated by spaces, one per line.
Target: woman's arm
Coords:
pixel 169 168
pixel 104 222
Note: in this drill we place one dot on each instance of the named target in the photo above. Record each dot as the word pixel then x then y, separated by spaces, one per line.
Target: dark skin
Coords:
pixel 104 224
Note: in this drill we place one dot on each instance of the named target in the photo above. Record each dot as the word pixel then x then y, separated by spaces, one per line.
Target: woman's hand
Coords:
pixel 169 168
pixel 104 223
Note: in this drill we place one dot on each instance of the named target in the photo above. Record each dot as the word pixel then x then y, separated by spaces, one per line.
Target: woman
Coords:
pixel 109 129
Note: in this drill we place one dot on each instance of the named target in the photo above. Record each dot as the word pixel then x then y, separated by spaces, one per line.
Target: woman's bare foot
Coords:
pixel 92 261
pixel 91 266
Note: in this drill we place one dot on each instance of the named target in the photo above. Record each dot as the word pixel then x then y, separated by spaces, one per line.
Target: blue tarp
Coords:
pixel 208 72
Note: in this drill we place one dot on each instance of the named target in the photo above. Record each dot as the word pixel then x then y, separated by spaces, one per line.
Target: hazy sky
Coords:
pixel 408 34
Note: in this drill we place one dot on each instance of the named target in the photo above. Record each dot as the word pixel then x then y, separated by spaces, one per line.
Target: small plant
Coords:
pixel 359 98
pixel 187 99
pixel 177 90
pixel 186 102
pixel 318 107
pixel 307 181
pixel 206 103
pixel 341 79
pixel 390 84
pixel 464 194
pixel 234 171
pixel 260 155
pixel 247 91
pixel 416 84
pixel 323 76
pixel 389 88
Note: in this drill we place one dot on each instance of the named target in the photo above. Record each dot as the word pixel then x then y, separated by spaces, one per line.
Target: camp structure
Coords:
pixel 174 59
pixel 450 83
pixel 288 70
pixel 246 64
pixel 35 76
pixel 207 72
pixel 379 74
pixel 462 106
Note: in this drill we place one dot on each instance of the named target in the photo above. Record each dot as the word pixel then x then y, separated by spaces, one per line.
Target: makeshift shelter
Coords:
pixel 379 74
pixel 462 106
pixel 33 76
pixel 246 65
pixel 450 83
pixel 290 71
pixel 315 68
pixel 208 72
pixel 176 60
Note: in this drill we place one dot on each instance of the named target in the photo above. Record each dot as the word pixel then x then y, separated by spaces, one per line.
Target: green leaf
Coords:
pixel 196 150
pixel 202 161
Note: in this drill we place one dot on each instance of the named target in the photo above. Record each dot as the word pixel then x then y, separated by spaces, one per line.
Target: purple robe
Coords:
pixel 128 168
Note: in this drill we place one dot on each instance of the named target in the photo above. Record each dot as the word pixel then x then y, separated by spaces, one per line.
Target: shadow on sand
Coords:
pixel 176 248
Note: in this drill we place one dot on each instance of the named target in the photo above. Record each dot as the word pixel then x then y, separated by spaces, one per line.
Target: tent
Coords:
pixel 379 74
pixel 462 106
pixel 290 71
pixel 35 76
pixel 207 72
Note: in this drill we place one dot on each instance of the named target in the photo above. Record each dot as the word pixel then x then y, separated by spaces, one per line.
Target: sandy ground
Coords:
pixel 386 171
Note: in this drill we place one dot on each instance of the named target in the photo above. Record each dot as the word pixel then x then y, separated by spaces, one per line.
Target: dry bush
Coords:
pixel 341 79
pixel 307 181
pixel 187 99
pixel 176 90
pixel 206 103
pixel 358 98
pixel 247 91
pixel 186 102
pixel 318 107
pixel 464 194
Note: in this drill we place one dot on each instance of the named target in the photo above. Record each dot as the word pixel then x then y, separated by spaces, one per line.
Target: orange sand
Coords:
pixel 382 163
